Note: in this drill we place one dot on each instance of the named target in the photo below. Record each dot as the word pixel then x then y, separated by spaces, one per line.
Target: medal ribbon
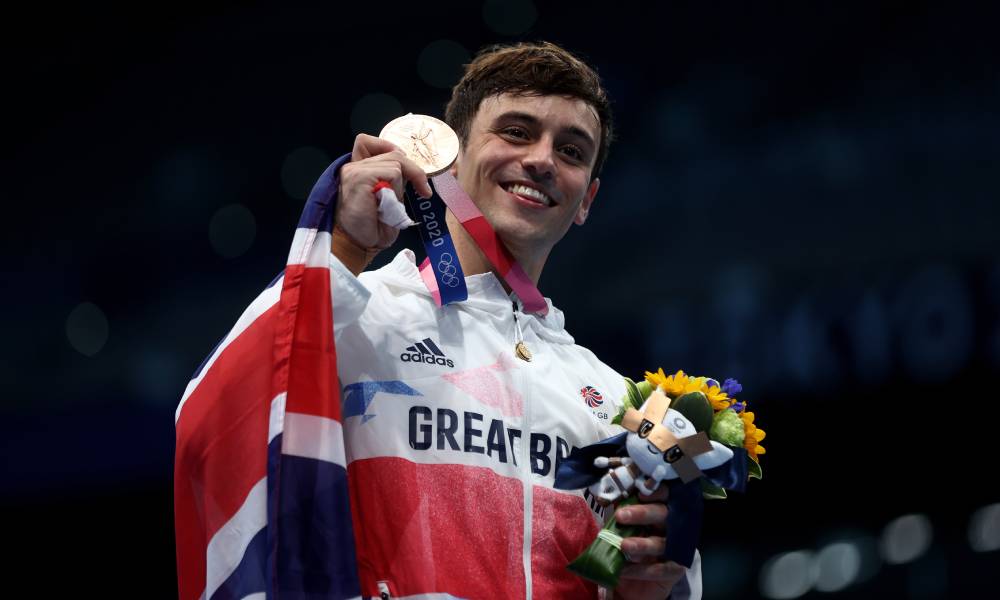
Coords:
pixel 486 238
pixel 446 280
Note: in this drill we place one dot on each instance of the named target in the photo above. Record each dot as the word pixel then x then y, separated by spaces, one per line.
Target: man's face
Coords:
pixel 527 166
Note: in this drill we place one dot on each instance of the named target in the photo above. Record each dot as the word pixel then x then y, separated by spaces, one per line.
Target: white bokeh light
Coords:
pixel 984 529
pixel 836 566
pixel 87 329
pixel 906 539
pixel 787 575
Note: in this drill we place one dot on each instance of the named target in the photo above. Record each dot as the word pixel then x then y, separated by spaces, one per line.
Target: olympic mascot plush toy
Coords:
pixel 683 432
pixel 661 444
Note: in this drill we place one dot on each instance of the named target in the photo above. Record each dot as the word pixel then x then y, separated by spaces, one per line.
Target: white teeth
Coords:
pixel 527 192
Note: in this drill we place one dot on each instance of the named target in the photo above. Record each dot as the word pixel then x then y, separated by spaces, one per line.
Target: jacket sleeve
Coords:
pixel 689 586
pixel 350 296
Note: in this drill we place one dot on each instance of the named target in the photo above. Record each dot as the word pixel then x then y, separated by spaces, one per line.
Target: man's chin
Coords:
pixel 519 238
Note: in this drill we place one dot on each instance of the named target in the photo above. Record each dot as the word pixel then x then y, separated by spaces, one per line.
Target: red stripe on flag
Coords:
pixel 481 231
pixel 221 446
pixel 313 387
pixel 425 529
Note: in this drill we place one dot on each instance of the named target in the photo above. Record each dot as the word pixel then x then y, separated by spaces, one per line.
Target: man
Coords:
pixel 452 462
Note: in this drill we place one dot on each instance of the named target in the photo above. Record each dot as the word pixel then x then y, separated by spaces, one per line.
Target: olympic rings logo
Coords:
pixel 447 270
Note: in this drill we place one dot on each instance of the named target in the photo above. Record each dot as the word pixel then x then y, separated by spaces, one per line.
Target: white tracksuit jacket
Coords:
pixel 452 441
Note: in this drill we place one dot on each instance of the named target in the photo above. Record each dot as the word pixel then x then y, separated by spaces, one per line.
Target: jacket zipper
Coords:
pixel 526 483
pixel 520 348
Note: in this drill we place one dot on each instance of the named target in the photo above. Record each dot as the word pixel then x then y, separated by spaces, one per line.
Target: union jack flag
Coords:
pixel 260 486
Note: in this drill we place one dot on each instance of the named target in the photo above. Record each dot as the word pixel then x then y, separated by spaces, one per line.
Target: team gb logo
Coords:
pixel 591 396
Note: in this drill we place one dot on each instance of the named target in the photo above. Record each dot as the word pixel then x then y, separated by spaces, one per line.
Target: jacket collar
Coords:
pixel 486 293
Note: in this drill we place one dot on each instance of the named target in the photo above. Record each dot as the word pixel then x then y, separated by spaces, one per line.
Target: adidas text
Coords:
pixel 426 351
pixel 426 358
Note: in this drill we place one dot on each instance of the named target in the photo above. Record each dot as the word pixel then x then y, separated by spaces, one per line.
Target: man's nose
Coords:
pixel 539 159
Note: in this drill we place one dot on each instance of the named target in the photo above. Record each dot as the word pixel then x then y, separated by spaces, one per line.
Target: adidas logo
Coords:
pixel 426 352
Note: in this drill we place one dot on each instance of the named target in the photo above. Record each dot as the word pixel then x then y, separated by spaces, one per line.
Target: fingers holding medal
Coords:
pixel 409 149
pixel 368 222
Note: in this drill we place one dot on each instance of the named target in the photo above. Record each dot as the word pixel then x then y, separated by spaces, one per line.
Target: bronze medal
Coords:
pixel 427 141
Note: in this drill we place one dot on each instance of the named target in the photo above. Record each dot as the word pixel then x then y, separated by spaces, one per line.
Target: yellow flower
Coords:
pixel 719 399
pixel 753 436
pixel 656 379
pixel 673 385
pixel 697 384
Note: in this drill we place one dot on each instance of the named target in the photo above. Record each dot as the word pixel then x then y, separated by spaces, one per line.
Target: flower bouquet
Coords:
pixel 689 433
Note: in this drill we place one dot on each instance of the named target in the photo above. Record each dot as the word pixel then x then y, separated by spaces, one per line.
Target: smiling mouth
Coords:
pixel 529 193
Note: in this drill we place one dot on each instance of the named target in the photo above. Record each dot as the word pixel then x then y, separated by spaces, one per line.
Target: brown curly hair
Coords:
pixel 529 69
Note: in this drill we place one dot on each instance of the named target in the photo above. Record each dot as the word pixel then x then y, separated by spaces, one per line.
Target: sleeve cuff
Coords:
pixel 689 587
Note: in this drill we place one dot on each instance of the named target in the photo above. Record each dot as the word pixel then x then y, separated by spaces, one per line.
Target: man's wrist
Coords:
pixel 354 256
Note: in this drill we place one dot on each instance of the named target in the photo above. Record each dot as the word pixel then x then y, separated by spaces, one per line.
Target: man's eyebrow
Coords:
pixel 533 120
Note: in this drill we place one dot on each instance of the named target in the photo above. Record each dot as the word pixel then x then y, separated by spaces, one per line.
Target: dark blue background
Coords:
pixel 801 196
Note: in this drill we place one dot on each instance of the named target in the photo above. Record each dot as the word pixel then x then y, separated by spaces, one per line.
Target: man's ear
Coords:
pixel 588 200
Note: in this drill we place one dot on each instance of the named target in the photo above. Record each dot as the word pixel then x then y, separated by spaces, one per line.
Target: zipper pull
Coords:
pixel 520 348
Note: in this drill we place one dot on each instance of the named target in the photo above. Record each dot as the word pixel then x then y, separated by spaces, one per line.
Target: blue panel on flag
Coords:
pixel 275 280
pixel 248 578
pixel 319 211
pixel 315 535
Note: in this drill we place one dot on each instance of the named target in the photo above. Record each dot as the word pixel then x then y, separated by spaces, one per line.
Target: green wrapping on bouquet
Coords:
pixel 603 560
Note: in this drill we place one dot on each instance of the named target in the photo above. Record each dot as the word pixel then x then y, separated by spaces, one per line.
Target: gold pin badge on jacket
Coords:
pixel 522 352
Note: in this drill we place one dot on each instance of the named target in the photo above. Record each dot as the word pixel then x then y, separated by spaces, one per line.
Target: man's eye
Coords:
pixel 515 132
pixel 572 152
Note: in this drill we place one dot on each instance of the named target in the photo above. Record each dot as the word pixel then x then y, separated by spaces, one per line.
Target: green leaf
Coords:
pixel 645 389
pixel 602 561
pixel 710 491
pixel 633 397
pixel 754 468
pixel 695 406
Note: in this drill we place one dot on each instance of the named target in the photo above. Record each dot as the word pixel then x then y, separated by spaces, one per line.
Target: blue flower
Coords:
pixel 732 387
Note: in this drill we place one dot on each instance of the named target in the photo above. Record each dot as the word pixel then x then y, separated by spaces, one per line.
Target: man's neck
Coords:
pixel 475 262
